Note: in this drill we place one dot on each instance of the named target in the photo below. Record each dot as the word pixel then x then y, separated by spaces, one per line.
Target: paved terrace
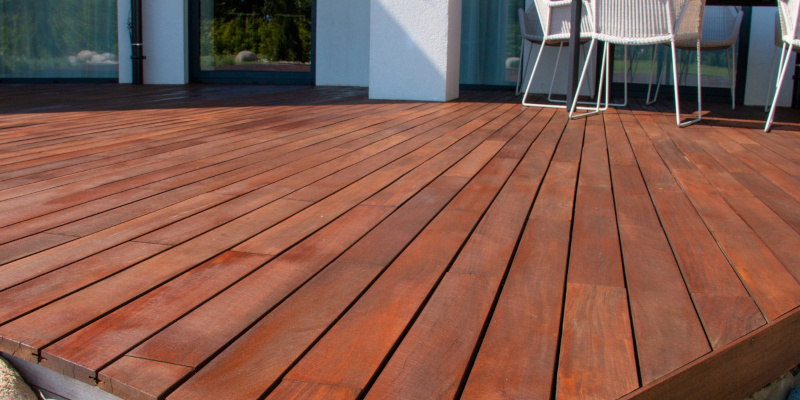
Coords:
pixel 243 242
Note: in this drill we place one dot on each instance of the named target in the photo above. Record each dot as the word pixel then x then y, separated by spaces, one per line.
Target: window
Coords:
pixel 58 39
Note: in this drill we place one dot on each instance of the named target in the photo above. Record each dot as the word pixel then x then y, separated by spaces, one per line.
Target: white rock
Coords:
pixel 779 388
pixel 245 56
pixel 12 387
pixel 86 55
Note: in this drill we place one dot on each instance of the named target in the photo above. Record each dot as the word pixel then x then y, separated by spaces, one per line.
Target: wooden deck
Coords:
pixel 248 242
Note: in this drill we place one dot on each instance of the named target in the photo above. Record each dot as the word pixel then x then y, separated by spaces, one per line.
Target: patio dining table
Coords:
pixel 574 44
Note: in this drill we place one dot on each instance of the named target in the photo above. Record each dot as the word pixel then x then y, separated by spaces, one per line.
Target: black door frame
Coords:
pixel 196 75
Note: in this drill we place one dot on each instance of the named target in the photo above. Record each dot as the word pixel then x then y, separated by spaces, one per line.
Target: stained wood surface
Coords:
pixel 246 242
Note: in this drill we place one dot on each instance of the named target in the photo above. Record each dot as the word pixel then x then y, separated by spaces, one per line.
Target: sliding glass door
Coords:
pixel 263 41
pixel 58 40
pixel 490 42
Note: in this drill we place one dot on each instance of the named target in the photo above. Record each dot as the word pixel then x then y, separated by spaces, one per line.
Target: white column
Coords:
pixel 415 48
pixel 166 41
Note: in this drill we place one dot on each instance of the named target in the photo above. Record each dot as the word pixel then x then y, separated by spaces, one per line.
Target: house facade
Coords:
pixel 405 50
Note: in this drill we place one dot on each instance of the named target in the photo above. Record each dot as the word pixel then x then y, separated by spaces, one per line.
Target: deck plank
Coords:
pixel 518 354
pixel 733 235
pixel 50 287
pixel 407 219
pixel 667 329
pixel 44 326
pixel 453 319
pixel 450 227
pixel 323 245
pixel 722 302
pixel 596 355
pixel 288 342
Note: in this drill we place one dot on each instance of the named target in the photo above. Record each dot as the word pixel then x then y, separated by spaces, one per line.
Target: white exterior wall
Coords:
pixel 166 43
pixel 759 60
pixel 415 48
pixel 342 43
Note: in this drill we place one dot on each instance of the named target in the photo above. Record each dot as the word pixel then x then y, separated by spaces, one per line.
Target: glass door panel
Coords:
pixel 261 40
pixel 490 42
pixel 58 39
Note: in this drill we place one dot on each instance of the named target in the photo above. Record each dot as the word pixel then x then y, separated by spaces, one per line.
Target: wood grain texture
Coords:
pixel 668 331
pixel 393 249
pixel 595 258
pixel 358 375
pixel 99 343
pixel 446 330
pixel 249 299
pixel 290 389
pixel 768 352
pixel 717 291
pixel 339 283
pixel 518 354
pixel 140 379
pixel 47 288
pixel 52 259
pixel 597 358
pixel 731 232
pixel 47 324
pixel 452 321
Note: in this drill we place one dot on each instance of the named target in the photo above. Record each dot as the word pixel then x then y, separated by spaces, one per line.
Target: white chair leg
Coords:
pixel 660 76
pixel 652 72
pixel 605 72
pixel 530 80
pixel 533 72
pixel 730 56
pixel 553 81
pixel 699 88
pixel 733 89
pixel 624 84
pixel 608 79
pixel 675 86
pixel 555 71
pixel 580 85
pixel 771 77
pixel 785 57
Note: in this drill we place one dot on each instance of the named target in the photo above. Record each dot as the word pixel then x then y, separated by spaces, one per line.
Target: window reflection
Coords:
pixel 58 39
pixel 640 60
pixel 255 35
pixel 490 42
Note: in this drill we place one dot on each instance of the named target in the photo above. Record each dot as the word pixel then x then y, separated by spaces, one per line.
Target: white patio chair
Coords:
pixel 721 26
pixel 547 23
pixel 646 22
pixel 789 15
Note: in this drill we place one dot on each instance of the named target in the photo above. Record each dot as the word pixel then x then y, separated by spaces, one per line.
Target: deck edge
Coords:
pixel 735 371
